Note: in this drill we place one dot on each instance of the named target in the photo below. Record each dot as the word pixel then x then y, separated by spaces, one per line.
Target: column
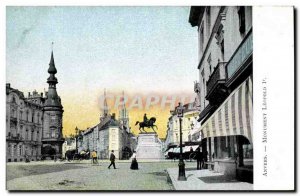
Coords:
pixel 240 151
pixel 219 150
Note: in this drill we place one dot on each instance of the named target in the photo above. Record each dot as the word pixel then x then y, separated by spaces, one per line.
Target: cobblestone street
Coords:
pixel 84 176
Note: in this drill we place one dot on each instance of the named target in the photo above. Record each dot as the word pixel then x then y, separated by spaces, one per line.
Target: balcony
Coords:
pixel 216 89
pixel 206 112
pixel 196 87
pixel 15 138
pixel 240 60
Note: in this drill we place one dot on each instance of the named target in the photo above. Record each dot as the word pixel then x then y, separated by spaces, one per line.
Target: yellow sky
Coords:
pixel 84 111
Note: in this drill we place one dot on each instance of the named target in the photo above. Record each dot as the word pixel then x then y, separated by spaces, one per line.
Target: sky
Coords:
pixel 139 50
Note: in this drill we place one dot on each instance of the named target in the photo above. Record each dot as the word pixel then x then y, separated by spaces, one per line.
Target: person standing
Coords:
pixel 112 160
pixel 134 163
pixel 94 157
pixel 199 158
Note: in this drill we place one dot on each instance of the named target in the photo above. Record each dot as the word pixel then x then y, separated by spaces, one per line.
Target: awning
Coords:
pixel 234 116
pixel 188 148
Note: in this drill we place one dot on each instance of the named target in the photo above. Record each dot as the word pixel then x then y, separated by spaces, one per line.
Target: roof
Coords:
pixel 196 14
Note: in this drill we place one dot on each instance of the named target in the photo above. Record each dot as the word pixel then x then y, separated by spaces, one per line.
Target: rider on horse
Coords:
pixel 145 119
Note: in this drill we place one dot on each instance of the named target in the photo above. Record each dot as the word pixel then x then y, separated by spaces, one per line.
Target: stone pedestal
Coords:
pixel 149 147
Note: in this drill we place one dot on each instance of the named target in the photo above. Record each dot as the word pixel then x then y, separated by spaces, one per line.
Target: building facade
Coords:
pixel 224 88
pixel 110 134
pixel 34 122
pixel 23 125
pixel 52 116
pixel 189 121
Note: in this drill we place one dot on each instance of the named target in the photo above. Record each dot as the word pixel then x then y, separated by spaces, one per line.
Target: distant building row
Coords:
pixel 110 134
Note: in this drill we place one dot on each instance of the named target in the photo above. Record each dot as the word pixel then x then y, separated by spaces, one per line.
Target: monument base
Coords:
pixel 149 147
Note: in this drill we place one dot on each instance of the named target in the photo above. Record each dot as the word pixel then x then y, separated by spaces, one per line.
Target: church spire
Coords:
pixel 52 80
pixel 52 69
pixel 105 106
pixel 52 97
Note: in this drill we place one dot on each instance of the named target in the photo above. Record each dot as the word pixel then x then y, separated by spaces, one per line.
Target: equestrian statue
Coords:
pixel 147 123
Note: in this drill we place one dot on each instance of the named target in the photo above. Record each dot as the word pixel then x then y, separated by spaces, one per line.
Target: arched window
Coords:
pixel 20 150
pixel 27 115
pixel 13 99
pixel 38 117
pixel 26 135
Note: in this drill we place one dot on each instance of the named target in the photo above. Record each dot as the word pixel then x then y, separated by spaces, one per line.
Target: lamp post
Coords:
pixel 181 165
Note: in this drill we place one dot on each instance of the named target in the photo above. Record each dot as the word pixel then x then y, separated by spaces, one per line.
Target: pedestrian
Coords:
pixel 191 152
pixel 199 158
pixel 112 160
pixel 94 157
pixel 205 154
pixel 134 163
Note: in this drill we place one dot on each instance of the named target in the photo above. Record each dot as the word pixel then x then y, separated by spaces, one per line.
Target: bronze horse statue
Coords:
pixel 149 124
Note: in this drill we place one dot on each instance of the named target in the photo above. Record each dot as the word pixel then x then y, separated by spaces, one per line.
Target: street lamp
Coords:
pixel 181 175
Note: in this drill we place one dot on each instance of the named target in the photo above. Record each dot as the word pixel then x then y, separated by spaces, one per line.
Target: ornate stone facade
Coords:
pixel 34 123
pixel 23 125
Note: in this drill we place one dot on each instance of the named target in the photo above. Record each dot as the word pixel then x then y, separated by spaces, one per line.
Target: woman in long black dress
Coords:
pixel 134 163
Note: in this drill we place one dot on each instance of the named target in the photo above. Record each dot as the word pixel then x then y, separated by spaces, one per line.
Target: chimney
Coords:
pixel 113 116
pixel 7 85
pixel 41 94
pixel 28 94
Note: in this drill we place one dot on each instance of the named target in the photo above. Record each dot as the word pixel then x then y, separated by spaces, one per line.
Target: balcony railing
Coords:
pixel 12 137
pixel 242 53
pixel 218 76
pixel 205 113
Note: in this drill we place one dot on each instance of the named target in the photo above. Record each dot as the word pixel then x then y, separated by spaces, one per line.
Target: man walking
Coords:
pixel 112 160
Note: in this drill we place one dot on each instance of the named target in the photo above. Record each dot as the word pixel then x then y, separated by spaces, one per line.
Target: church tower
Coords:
pixel 52 138
pixel 105 111
pixel 123 115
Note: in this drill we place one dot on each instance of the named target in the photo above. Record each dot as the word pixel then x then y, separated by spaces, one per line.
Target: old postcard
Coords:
pixel 148 98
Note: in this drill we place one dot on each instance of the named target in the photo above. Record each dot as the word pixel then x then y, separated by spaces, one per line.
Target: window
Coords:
pixel 204 86
pixel 38 118
pixel 208 20
pixel 242 22
pixel 201 39
pixel 26 135
pixel 15 150
pixel 32 135
pixel 209 63
pixel 32 117
pixel 20 150
pixel 12 113
pixel 27 114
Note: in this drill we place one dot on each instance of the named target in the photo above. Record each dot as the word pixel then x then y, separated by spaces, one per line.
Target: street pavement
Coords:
pixel 85 176
pixel 206 180
pixel 158 176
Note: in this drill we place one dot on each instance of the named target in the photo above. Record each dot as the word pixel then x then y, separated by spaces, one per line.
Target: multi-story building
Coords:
pixel 23 125
pixel 110 134
pixel 34 123
pixel 224 88
pixel 189 120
